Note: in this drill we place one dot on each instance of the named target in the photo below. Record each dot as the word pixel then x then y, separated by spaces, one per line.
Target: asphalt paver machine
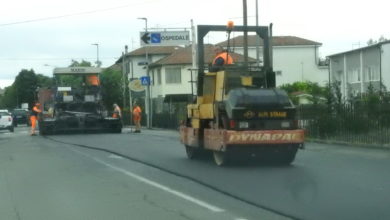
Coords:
pixel 75 105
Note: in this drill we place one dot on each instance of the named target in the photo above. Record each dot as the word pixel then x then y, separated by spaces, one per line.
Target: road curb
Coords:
pixel 360 145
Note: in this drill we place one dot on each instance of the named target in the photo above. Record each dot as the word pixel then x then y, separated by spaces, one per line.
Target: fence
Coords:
pixel 357 124
pixel 171 118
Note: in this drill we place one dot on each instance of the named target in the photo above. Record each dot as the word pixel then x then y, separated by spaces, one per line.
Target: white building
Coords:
pixel 294 59
pixel 135 61
pixel 356 69
pixel 172 77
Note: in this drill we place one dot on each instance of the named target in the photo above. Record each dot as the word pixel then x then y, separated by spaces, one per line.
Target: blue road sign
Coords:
pixel 145 80
pixel 155 38
pixel 165 38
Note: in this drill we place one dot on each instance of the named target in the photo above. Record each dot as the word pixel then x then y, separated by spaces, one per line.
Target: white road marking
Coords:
pixel 6 132
pixel 155 184
pixel 113 156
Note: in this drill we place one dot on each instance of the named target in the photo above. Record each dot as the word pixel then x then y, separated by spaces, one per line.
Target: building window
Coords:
pixel 338 76
pixel 172 75
pixel 353 75
pixel 372 73
pixel 159 76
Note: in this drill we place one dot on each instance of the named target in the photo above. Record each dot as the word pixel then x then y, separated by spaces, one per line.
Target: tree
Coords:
pixel 380 39
pixel 25 86
pixel 336 95
pixel 308 87
pixel 8 100
pixel 24 89
pixel 371 42
pixel 83 63
pixel 111 87
pixel 45 81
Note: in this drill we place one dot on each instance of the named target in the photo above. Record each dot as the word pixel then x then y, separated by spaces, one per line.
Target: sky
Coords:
pixel 43 34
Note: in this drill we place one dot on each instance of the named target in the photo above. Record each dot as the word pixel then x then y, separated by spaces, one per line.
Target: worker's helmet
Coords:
pixel 38 104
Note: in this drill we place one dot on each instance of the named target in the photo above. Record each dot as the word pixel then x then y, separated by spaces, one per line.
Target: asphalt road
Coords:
pixel 324 182
pixel 44 179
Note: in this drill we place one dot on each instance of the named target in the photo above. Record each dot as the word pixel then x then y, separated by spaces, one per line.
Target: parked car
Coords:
pixel 6 121
pixel 20 116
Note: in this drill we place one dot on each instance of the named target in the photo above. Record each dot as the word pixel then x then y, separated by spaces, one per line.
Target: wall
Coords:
pixel 337 72
pixel 183 88
pixel 353 74
pixel 371 68
pixel 386 65
pixel 176 88
pixel 138 70
pixel 362 69
pixel 296 63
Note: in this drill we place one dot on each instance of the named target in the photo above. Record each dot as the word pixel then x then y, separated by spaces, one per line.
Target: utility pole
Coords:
pixel 97 54
pixel 193 45
pixel 147 98
pixel 127 85
pixel 257 37
pixel 194 55
pixel 123 79
pixel 245 34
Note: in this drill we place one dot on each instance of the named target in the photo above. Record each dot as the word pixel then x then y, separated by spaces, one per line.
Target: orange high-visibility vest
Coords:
pixel 93 80
pixel 225 56
pixel 34 116
pixel 137 113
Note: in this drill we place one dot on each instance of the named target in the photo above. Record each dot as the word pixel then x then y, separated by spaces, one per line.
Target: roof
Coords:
pixel 116 67
pixel 184 56
pixel 276 41
pixel 361 48
pixel 152 50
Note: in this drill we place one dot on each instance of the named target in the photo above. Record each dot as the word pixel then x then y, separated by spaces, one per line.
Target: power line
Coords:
pixel 71 58
pixel 73 14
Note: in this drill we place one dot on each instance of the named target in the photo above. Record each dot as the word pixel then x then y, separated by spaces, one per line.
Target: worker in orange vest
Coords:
pixel 137 118
pixel 117 113
pixel 34 117
pixel 222 57
pixel 93 80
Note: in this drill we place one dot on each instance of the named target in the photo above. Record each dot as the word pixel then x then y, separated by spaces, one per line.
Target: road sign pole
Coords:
pixel 148 109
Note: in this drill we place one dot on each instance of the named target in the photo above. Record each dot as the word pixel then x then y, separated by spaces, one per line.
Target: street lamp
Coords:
pixel 97 54
pixel 147 100
pixel 146 23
